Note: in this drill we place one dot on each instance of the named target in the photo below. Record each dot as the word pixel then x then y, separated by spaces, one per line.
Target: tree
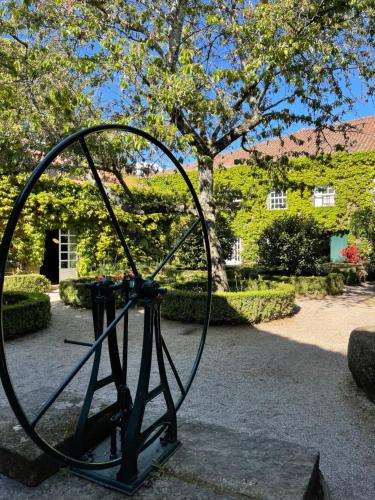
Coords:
pixel 201 75
pixel 362 224
pixel 294 245
pixel 192 255
pixel 43 95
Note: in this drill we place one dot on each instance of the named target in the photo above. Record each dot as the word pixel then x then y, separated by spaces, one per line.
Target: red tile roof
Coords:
pixel 359 138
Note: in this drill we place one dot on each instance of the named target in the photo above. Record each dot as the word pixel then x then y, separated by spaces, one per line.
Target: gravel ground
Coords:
pixel 287 379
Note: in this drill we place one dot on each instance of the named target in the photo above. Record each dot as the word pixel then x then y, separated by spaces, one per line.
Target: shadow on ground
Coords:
pixel 287 379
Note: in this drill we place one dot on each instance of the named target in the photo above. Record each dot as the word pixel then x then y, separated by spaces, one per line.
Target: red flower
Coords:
pixel 352 254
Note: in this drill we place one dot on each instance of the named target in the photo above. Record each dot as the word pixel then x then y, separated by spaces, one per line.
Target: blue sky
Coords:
pixel 360 109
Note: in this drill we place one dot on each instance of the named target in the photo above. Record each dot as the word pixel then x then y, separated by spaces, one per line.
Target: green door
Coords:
pixel 337 243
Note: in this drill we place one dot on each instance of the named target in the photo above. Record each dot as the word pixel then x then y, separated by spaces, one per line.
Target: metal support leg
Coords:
pixel 132 442
pixel 98 319
pixel 135 439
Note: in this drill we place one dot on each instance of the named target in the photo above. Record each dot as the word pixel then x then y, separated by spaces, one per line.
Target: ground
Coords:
pixel 287 379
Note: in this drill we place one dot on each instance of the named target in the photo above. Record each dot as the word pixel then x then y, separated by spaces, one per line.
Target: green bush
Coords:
pixel 178 275
pixel 192 254
pixel 27 283
pixel 318 286
pixel 313 286
pixel 370 270
pixel 271 301
pixel 294 245
pixel 24 313
pixel 74 292
pixel 353 274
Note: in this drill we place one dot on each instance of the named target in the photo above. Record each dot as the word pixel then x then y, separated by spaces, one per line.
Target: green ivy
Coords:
pixel 63 203
pixel 60 202
pixel 351 174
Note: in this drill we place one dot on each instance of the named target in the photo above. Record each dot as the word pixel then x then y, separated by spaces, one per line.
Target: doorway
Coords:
pixel 50 266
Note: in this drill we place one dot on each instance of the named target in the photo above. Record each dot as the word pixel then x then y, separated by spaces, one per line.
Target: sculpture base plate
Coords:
pixel 148 460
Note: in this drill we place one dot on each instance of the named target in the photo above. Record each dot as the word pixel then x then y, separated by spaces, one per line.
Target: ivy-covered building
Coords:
pixel 63 228
pixel 327 184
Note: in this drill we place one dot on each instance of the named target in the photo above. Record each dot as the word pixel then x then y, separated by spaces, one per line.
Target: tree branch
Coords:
pixel 236 132
pixel 185 128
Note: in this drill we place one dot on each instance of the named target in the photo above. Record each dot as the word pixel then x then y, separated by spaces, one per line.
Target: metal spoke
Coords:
pixel 174 250
pixel 77 368
pixel 108 204
pixel 171 364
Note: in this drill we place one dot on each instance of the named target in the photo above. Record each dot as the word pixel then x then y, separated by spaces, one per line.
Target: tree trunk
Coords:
pixel 206 187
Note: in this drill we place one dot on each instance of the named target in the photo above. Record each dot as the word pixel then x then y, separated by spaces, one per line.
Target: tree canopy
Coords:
pixel 214 71
pixel 197 74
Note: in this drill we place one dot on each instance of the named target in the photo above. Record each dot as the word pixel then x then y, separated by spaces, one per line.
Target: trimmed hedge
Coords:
pixel 242 279
pixel 353 274
pixel 272 301
pixel 35 283
pixel 314 286
pixel 74 292
pixel 25 313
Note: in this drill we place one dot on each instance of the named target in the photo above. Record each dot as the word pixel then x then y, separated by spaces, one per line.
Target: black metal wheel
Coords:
pixel 143 285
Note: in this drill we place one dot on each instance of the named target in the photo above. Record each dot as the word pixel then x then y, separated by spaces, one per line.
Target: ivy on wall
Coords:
pixel 60 202
pixel 351 174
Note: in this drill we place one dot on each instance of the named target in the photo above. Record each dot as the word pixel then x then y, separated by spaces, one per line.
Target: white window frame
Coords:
pixel 278 200
pixel 324 196
pixel 235 258
pixel 67 254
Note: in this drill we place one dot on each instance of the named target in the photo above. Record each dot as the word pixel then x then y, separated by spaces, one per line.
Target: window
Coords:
pixel 324 196
pixel 235 257
pixel 68 255
pixel 277 200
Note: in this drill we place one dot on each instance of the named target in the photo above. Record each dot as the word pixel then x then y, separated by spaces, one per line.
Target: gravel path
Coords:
pixel 286 379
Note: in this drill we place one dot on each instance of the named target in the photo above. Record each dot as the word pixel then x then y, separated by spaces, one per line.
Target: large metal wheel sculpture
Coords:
pixel 133 451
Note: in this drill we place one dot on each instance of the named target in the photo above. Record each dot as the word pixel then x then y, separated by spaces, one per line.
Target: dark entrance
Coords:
pixel 50 266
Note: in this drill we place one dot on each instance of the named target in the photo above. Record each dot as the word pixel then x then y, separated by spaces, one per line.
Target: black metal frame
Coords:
pixel 126 414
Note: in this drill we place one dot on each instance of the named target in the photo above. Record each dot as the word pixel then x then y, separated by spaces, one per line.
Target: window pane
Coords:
pixel 277 200
pixel 64 265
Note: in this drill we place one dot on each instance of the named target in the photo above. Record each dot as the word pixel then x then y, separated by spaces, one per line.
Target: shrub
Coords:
pixel 352 274
pixel 24 313
pixel 192 254
pixel 27 283
pixel 173 275
pixel 332 283
pixel 318 286
pixel 362 224
pixel 351 254
pixel 294 245
pixel 272 301
pixel 74 292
